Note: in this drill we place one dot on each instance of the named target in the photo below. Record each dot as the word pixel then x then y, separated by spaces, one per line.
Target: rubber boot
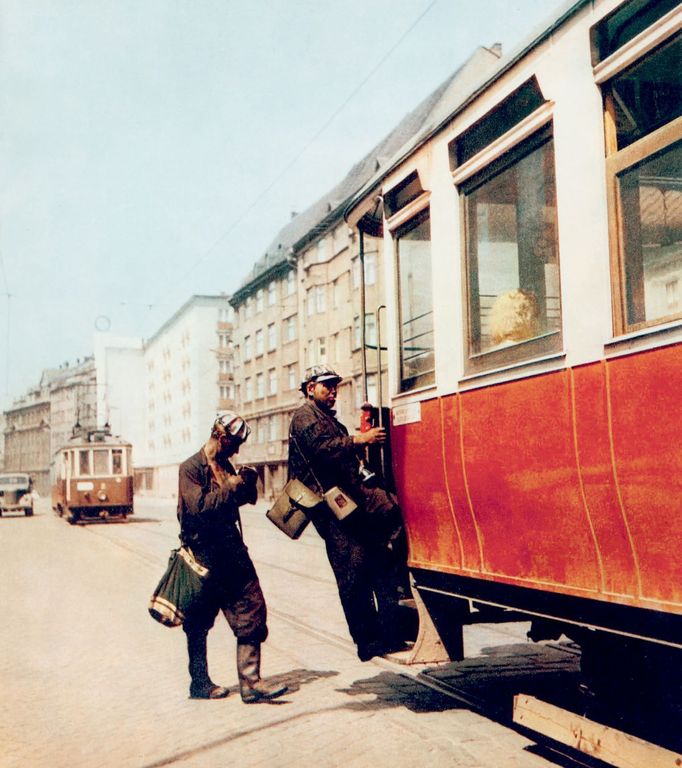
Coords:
pixel 251 687
pixel 201 687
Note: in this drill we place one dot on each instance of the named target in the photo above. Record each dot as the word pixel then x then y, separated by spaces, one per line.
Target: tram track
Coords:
pixel 421 675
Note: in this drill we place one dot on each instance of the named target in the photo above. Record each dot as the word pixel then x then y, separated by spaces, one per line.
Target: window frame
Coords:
pixel 505 152
pixel 400 223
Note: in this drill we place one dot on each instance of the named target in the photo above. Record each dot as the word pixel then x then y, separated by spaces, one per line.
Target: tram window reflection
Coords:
pixel 651 199
pixel 415 297
pixel 101 461
pixel 83 462
pixel 512 252
pixel 117 461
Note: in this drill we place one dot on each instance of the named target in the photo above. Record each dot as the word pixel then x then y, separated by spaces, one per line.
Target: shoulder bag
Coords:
pixel 289 511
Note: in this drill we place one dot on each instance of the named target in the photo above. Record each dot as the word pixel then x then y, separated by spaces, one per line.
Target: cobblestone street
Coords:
pixel 88 679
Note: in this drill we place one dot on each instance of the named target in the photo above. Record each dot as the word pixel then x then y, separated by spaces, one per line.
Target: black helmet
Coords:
pixel 319 373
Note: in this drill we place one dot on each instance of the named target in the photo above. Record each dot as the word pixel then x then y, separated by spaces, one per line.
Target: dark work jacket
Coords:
pixel 320 445
pixel 321 452
pixel 209 515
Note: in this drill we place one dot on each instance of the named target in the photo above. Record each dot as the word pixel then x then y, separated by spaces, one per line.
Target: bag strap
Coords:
pixel 307 463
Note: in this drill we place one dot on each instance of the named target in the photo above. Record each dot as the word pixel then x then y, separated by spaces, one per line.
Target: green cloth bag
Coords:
pixel 179 588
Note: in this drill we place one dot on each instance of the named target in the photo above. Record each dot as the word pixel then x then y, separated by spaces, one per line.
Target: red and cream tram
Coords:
pixel 532 238
pixel 93 478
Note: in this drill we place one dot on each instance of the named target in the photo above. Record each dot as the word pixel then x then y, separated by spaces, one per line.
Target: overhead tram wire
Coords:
pixel 241 216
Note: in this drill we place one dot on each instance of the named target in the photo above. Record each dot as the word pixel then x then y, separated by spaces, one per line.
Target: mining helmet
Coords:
pixel 322 373
pixel 233 424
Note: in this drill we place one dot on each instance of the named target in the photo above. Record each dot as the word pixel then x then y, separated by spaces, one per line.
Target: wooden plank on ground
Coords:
pixel 608 744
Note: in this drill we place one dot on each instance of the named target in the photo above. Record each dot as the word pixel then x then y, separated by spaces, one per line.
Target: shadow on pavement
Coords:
pixel 488 683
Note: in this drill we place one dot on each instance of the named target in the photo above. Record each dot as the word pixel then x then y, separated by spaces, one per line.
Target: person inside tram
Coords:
pixel 366 550
pixel 513 318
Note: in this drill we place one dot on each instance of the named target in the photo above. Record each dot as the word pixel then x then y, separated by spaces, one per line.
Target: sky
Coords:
pixel 152 149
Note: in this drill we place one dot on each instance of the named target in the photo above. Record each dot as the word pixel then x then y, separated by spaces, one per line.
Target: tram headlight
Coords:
pixel 102 495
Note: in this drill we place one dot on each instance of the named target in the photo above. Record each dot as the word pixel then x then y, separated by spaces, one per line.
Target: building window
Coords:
pixel 291 282
pixel 321 349
pixel 262 431
pixel 355 271
pixel 272 381
pixel 370 332
pixel 643 105
pixel 321 298
pixel 322 250
pixel 336 293
pixel 415 303
pixel 290 329
pixel 370 267
pixel 260 385
pixel 272 293
pixel 247 348
pixel 259 342
pixel 248 389
pixel 372 391
pixel 249 307
pixel 512 256
pixel 259 300
pixel 274 427
pixel 272 337
pixel 292 378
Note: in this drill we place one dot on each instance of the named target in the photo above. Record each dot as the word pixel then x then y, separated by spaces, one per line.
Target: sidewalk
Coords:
pixel 89 680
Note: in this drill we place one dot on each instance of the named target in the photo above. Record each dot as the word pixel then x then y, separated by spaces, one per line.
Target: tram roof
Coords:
pixel 95 438
pixel 452 101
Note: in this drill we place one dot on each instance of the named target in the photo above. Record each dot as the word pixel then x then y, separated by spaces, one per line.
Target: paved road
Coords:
pixel 87 679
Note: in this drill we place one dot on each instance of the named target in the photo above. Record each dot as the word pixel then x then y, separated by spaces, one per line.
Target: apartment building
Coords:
pixel 188 377
pixel 41 421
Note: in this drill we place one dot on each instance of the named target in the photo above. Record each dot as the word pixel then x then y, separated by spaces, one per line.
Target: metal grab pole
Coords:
pixel 380 399
pixel 363 340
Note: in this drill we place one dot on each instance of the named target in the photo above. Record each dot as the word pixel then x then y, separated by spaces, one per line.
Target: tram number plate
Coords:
pixel 84 486
pixel 409 413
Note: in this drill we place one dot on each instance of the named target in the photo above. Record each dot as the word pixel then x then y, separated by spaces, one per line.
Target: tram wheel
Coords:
pixel 28 512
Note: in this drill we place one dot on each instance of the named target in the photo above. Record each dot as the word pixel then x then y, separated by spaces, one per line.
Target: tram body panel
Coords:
pixel 541 499
pixel 644 392
pixel 593 445
pixel 429 516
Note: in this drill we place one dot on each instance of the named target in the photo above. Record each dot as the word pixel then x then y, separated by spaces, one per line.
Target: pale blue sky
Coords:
pixel 151 149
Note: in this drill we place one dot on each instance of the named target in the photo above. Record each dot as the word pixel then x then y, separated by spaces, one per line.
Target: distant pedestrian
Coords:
pixel 210 494
pixel 362 548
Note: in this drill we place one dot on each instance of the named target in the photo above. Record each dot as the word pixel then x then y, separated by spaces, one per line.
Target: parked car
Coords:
pixel 16 493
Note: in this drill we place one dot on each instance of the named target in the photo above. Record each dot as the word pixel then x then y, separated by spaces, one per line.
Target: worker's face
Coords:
pixel 323 393
pixel 228 445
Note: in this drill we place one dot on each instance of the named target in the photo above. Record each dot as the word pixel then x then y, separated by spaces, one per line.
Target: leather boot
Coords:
pixel 251 687
pixel 201 687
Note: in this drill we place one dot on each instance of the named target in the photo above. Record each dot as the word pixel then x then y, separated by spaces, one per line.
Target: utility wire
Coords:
pixel 241 216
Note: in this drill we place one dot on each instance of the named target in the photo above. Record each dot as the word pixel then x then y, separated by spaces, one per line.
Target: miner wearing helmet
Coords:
pixel 211 491
pixel 322 454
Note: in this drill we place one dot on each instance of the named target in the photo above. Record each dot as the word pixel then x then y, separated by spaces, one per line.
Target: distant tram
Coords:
pixel 93 478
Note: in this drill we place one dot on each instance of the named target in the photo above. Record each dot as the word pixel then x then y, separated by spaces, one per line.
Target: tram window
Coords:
pixel 117 459
pixel 101 461
pixel 651 202
pixel 648 94
pixel 84 462
pixel 513 256
pixel 415 303
pixel 643 104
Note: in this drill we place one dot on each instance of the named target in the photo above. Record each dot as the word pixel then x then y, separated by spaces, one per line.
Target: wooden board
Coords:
pixel 608 744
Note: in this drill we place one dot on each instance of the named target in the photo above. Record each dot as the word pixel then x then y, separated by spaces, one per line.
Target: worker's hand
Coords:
pixel 374 435
pixel 232 482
